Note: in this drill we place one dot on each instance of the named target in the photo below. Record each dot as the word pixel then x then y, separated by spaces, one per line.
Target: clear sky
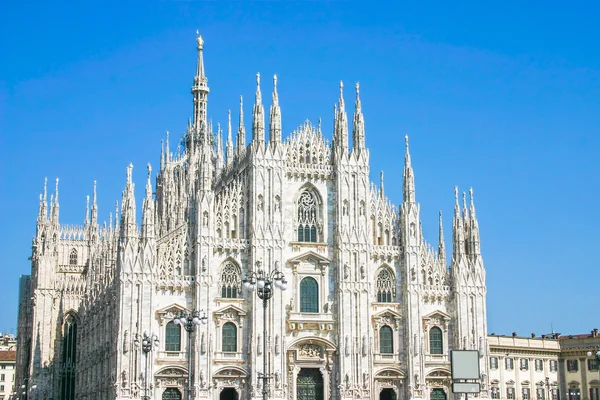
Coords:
pixel 505 99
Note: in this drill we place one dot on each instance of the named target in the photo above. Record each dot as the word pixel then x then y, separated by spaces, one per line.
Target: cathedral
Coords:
pixel 349 300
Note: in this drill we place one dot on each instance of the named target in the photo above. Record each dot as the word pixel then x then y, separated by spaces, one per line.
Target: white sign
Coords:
pixel 465 387
pixel 464 364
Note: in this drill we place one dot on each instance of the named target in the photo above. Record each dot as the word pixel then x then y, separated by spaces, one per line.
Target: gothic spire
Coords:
pixel 94 208
pixel 475 241
pixel 87 210
pixel 162 155
pixel 220 156
pixel 441 244
pixel 458 233
pixel 241 136
pixel 381 182
pixel 358 132
pixel 128 214
pixel 229 145
pixel 341 124
pixel 258 116
pixel 200 92
pixel 43 214
pixel 275 116
pixel 55 206
pixel 148 208
pixel 409 179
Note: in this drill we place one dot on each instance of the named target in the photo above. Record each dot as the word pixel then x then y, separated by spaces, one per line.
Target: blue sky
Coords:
pixel 503 99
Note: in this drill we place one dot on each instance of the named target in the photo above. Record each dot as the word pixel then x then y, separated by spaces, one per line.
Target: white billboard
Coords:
pixel 464 364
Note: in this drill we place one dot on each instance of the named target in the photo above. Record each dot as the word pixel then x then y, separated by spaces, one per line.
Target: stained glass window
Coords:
pixel 307 218
pixel 229 333
pixel 386 340
pixel 385 286
pixel 309 295
pixel 230 281
pixel 435 341
pixel 173 337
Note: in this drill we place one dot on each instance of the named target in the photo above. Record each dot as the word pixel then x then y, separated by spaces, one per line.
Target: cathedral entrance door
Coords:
pixel 228 394
pixel 438 394
pixel 171 394
pixel 309 384
pixel 387 394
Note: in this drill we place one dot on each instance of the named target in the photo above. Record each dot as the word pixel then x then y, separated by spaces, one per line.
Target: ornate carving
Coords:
pixel 310 350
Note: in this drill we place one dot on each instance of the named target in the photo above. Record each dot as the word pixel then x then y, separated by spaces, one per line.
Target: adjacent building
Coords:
pixel 371 311
pixel 7 374
pixel 578 366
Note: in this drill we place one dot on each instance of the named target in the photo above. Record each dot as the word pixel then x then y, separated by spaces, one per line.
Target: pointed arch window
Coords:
pixel 73 257
pixel 436 341
pixel 307 217
pixel 309 295
pixel 386 287
pixel 386 340
pixel 229 335
pixel 230 281
pixel 69 356
pixel 172 337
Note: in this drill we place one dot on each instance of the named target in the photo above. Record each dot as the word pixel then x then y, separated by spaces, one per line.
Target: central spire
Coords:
pixel 275 117
pixel 258 116
pixel 200 91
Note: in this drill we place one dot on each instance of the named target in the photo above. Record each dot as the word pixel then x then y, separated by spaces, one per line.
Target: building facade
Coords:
pixel 371 310
pixel 524 368
pixel 7 374
pixel 578 366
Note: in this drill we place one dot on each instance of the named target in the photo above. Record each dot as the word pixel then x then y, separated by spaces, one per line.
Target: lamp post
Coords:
pixel 189 322
pixel 149 342
pixel 266 282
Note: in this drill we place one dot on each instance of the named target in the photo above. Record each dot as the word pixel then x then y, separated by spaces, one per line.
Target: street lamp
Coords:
pixel 266 282
pixel 149 342
pixel 189 322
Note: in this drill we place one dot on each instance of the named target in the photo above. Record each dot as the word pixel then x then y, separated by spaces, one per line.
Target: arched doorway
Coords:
pixel 387 394
pixel 171 394
pixel 228 393
pixel 438 394
pixel 309 384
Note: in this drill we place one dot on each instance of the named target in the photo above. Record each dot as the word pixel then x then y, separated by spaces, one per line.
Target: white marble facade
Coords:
pixel 379 310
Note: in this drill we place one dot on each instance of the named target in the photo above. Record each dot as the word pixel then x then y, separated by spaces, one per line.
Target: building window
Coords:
pixel 508 363
pixel 435 341
pixel 309 295
pixel 2 389
pixel 385 286
pixel 540 392
pixel 554 393
pixel 539 365
pixel 73 257
pixel 572 365
pixel 2 378
pixel 173 337
pixel 553 365
pixel 495 392
pixel 69 357
pixel 524 364
pixel 592 364
pixel 386 340
pixel 574 393
pixel 510 393
pixel 438 394
pixel 229 333
pixel 594 393
pixel 307 217
pixel 526 394
pixel 493 362
pixel 230 281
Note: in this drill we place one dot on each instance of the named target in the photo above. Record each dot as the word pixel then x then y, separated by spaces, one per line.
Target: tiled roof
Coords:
pixel 8 355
